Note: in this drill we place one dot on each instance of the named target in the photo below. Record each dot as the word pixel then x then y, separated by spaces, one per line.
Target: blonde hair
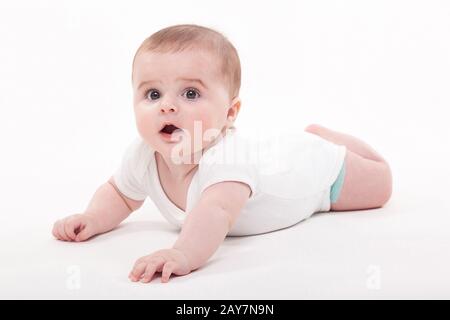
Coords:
pixel 190 36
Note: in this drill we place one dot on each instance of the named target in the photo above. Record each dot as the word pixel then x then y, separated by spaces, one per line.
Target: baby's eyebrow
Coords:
pixel 147 82
pixel 194 80
pixel 178 79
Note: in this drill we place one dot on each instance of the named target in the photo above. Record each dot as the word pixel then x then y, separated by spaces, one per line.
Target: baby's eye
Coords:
pixel 152 94
pixel 191 94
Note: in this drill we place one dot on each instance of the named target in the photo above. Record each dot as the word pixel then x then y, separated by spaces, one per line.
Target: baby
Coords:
pixel 186 81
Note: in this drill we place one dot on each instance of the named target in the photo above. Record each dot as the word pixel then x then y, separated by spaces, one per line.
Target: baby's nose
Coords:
pixel 165 108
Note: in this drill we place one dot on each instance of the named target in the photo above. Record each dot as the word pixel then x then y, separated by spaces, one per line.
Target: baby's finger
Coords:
pixel 149 272
pixel 62 232
pixel 85 234
pixel 167 270
pixel 69 228
pixel 137 271
pixel 152 266
pixel 55 230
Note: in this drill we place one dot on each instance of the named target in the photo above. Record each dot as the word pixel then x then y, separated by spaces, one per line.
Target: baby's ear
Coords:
pixel 234 109
pixel 236 102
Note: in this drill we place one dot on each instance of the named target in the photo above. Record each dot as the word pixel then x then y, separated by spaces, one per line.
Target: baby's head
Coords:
pixel 188 76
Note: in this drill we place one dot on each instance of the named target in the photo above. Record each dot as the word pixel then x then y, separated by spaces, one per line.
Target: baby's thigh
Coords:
pixel 367 184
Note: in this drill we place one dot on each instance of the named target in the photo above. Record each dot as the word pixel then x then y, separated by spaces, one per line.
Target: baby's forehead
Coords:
pixel 186 64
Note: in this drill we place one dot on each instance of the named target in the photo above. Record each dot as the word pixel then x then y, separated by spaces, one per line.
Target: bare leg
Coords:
pixel 368 179
pixel 352 143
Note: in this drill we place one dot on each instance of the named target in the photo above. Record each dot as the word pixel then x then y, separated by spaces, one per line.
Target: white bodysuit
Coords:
pixel 289 175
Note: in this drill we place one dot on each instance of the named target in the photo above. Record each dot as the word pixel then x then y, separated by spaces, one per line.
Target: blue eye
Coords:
pixel 152 94
pixel 191 94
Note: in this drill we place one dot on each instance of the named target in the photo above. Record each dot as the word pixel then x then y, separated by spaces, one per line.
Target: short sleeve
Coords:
pixel 218 165
pixel 129 176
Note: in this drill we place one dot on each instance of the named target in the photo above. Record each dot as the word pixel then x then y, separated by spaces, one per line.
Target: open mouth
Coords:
pixel 169 129
pixel 171 133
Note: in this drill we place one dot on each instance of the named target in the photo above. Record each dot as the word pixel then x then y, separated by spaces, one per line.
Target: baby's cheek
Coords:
pixel 196 125
pixel 210 130
pixel 197 131
pixel 210 121
pixel 143 123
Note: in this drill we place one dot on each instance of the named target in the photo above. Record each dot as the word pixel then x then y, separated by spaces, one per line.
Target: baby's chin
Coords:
pixel 185 150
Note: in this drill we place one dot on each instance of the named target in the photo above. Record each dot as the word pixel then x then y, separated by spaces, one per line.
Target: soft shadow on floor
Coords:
pixel 127 228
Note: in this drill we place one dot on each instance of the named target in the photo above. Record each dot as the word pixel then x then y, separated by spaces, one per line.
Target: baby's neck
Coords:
pixel 178 172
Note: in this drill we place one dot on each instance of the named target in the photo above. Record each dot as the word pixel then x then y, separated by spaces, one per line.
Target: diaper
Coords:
pixel 336 187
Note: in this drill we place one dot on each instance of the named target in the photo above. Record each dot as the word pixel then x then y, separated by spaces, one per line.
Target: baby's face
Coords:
pixel 184 89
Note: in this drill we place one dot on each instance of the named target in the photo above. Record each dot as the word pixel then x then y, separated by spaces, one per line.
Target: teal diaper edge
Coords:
pixel 336 187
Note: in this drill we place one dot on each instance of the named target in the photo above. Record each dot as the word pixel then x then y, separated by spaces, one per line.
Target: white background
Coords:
pixel 378 70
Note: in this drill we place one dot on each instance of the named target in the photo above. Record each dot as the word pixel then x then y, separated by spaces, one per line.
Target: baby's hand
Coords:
pixel 77 227
pixel 167 261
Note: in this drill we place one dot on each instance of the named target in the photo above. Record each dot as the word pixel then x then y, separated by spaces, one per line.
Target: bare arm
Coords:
pixel 107 208
pixel 208 223
pixel 110 207
pixel 203 231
